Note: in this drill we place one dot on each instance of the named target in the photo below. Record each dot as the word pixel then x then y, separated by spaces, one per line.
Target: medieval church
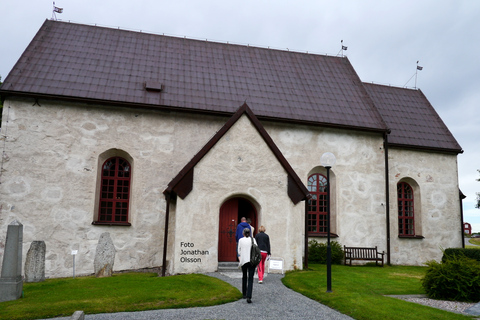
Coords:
pixel 166 142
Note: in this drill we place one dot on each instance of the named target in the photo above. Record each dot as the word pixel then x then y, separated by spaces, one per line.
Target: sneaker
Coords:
pixel 260 281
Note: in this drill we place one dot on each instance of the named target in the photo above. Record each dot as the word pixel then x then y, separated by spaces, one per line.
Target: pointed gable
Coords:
pixel 182 184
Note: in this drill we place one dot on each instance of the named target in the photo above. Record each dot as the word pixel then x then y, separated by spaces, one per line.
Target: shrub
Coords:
pixel 469 253
pixel 457 278
pixel 317 252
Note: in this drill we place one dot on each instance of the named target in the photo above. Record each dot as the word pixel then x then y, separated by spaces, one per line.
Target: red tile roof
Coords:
pixel 89 63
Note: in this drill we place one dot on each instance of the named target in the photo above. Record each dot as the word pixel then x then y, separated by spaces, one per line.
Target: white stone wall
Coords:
pixel 359 202
pixel 50 177
pixel 437 208
pixel 240 164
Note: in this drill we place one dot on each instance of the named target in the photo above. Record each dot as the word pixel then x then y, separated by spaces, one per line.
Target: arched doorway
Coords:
pixel 230 214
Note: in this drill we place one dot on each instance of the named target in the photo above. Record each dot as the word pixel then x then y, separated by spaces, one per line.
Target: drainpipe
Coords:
pixel 165 237
pixel 306 234
pixel 461 197
pixel 387 194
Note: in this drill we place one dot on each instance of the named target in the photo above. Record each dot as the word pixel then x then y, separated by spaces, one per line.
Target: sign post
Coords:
pixel 74 252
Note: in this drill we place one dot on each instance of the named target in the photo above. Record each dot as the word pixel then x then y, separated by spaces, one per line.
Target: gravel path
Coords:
pixel 270 300
pixel 452 306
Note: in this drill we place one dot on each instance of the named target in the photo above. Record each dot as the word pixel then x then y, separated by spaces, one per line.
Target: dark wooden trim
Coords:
pixel 185 184
pixel 161 107
pixel 121 224
pixel 411 237
pixel 322 235
pixel 184 180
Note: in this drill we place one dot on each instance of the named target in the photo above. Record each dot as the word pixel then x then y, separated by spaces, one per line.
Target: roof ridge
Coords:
pixel 390 85
pixel 156 33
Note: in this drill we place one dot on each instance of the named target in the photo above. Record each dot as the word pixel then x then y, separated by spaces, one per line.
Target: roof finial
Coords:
pixel 416 71
pixel 414 75
pixel 55 11
pixel 344 48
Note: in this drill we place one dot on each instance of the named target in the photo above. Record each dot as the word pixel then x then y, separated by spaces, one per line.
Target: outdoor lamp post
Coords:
pixel 328 160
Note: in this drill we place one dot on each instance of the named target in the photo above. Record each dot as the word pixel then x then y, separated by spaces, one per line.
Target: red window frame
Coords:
pixel 317 205
pixel 114 192
pixel 406 212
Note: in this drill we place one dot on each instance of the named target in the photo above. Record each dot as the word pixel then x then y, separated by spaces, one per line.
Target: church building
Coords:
pixel 166 142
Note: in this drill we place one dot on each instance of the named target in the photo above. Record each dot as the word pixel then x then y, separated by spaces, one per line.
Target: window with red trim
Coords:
pixel 406 215
pixel 114 191
pixel 317 205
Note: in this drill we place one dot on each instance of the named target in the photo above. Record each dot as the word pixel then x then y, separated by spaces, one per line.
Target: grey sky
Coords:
pixel 385 39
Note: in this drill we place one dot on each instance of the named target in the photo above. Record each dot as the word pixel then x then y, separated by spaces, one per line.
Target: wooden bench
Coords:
pixel 356 253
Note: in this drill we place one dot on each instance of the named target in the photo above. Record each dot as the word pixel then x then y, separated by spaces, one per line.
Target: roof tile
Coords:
pixel 411 118
pixel 89 62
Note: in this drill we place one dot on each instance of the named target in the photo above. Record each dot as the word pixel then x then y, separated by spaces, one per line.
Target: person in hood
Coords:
pixel 239 233
pixel 248 270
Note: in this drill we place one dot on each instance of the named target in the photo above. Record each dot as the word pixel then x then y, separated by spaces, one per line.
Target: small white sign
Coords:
pixel 74 252
pixel 276 264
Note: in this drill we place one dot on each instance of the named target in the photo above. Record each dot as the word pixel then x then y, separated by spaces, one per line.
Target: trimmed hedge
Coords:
pixel 317 252
pixel 456 278
pixel 469 253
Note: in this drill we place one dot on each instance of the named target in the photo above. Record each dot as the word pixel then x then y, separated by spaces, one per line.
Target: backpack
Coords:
pixel 255 254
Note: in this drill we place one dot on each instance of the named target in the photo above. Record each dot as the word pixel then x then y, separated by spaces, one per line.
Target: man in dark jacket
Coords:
pixel 239 233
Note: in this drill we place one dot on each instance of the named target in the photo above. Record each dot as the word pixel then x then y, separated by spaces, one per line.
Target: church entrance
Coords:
pixel 230 214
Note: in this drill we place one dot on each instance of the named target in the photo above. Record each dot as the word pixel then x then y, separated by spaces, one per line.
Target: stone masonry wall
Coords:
pixel 50 177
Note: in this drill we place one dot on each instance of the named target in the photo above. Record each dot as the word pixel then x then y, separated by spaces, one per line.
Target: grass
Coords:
pixel 119 293
pixel 360 291
pixel 475 241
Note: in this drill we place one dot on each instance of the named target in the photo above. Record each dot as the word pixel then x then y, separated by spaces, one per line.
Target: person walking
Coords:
pixel 244 247
pixel 239 233
pixel 263 241
pixel 252 229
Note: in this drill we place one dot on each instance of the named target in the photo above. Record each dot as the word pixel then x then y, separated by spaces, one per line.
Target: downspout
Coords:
pixel 165 237
pixel 306 234
pixel 461 197
pixel 387 194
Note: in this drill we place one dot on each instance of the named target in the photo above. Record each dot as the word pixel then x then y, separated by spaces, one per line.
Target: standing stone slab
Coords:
pixel 78 315
pixel 11 283
pixel 35 262
pixel 104 256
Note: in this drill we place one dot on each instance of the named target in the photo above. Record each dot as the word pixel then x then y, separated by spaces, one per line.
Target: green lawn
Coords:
pixel 474 241
pixel 121 292
pixel 359 291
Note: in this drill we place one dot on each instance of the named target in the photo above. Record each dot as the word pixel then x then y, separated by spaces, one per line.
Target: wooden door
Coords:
pixel 227 246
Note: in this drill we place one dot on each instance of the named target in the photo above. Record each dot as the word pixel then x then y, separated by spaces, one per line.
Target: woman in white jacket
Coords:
pixel 244 247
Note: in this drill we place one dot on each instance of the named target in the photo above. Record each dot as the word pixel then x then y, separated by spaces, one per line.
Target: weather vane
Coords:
pixel 344 48
pixel 55 11
pixel 414 75
pixel 416 71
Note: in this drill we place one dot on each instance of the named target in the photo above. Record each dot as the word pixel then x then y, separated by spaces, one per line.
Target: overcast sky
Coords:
pixel 385 39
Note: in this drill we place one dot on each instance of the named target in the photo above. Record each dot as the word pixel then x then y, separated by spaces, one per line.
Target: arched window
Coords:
pixel 406 214
pixel 317 205
pixel 114 191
